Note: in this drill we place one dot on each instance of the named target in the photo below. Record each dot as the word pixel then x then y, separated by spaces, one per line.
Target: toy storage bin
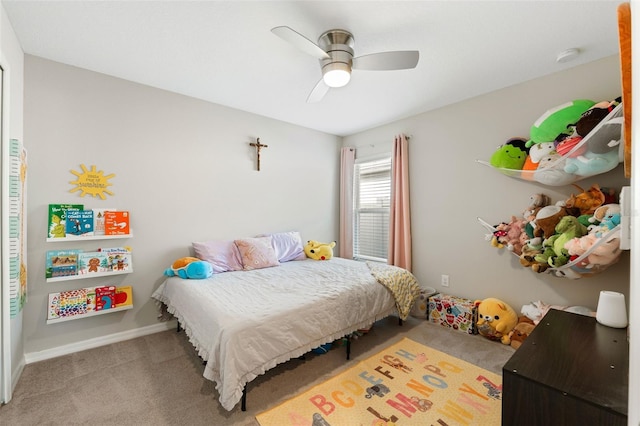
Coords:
pixel 598 152
pixel 454 312
pixel 419 309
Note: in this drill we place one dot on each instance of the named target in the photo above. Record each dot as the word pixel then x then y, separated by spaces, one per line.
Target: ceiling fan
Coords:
pixel 335 52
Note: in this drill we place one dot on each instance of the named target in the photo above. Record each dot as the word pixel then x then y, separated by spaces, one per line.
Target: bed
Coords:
pixel 245 322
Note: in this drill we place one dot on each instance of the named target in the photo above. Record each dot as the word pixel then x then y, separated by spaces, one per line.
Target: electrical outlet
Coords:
pixel 444 282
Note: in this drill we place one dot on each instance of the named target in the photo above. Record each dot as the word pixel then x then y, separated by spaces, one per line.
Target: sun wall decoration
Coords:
pixel 92 182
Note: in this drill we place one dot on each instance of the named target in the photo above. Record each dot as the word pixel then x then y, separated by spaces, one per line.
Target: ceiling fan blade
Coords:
pixel 318 92
pixel 387 61
pixel 300 41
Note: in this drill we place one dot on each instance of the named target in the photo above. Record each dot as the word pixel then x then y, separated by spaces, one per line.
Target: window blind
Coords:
pixel 372 199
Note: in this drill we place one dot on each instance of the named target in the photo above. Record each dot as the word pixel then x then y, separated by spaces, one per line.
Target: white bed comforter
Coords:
pixel 246 322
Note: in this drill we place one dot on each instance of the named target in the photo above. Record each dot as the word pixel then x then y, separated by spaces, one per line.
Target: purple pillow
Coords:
pixel 222 255
pixel 288 246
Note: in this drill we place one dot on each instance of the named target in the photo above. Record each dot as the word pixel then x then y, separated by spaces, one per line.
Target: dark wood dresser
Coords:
pixel 571 370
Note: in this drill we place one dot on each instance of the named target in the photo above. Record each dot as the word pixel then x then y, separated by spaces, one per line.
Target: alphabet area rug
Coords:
pixel 405 384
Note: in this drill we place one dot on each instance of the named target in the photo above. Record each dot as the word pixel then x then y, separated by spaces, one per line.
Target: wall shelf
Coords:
pixel 89 275
pixel 89 314
pixel 89 238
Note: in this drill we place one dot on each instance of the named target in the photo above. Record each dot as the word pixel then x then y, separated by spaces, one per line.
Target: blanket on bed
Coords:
pixel 400 282
pixel 244 323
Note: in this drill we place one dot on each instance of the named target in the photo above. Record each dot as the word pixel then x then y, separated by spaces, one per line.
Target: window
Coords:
pixel 371 202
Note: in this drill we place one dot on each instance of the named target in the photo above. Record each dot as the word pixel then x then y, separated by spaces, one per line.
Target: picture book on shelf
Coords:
pixel 91 299
pixel 54 306
pixel 118 258
pixel 124 296
pixel 61 263
pixel 116 222
pixel 79 223
pixel 98 220
pixel 105 297
pixel 92 262
pixel 57 219
pixel 72 302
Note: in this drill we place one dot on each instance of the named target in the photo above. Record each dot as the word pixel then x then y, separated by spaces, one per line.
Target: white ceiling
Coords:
pixel 224 52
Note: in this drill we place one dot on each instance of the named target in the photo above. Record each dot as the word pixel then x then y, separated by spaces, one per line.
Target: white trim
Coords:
pixel 17 373
pixel 6 343
pixel 373 157
pixel 98 341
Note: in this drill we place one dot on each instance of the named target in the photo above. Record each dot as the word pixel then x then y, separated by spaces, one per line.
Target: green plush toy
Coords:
pixel 558 121
pixel 555 254
pixel 319 251
pixel 511 155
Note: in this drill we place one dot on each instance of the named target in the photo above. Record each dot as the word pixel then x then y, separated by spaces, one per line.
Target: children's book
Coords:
pixel 98 220
pixel 73 302
pixel 57 219
pixel 54 306
pixel 61 263
pixel 118 258
pixel 116 222
pixel 124 296
pixel 79 223
pixel 105 297
pixel 92 262
pixel 91 299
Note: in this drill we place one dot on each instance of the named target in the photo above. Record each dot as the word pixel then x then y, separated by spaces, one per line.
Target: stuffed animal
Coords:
pixel 535 311
pixel 528 258
pixel 511 155
pixel 554 251
pixel 586 202
pixel 594 115
pixel 546 220
pixel 319 251
pixel 556 121
pixel 495 319
pixel 190 268
pixel 590 163
pixel 605 211
pixel 600 253
pixel 510 235
pixel 521 331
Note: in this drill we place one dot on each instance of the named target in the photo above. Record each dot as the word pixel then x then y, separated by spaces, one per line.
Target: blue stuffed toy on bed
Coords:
pixel 190 268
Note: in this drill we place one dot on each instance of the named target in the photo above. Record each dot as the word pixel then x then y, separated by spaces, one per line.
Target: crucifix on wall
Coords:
pixel 258 147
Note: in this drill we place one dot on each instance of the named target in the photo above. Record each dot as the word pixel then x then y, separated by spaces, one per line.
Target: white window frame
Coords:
pixel 379 229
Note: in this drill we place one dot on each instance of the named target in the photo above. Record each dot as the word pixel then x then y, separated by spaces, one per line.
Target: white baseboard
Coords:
pixel 97 342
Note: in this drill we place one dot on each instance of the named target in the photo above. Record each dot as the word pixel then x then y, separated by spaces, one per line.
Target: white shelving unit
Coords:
pixel 92 313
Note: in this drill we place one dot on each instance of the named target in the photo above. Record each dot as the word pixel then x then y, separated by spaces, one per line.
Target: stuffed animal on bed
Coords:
pixel 190 268
pixel 319 251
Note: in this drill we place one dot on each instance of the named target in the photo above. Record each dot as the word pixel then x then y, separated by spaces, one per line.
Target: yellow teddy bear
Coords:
pixel 496 319
pixel 319 251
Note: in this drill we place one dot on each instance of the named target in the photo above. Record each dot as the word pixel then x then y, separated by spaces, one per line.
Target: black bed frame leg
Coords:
pixel 243 406
pixel 348 347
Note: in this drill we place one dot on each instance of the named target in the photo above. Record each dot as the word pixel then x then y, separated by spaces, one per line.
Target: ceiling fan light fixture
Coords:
pixel 336 74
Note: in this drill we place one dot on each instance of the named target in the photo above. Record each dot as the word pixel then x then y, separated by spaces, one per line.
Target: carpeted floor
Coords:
pixel 157 379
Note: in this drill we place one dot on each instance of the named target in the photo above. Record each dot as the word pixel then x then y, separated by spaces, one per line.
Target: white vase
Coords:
pixel 612 309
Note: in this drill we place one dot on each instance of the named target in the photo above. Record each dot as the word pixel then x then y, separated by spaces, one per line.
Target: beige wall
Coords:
pixel 185 170
pixel 449 190
pixel 183 167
